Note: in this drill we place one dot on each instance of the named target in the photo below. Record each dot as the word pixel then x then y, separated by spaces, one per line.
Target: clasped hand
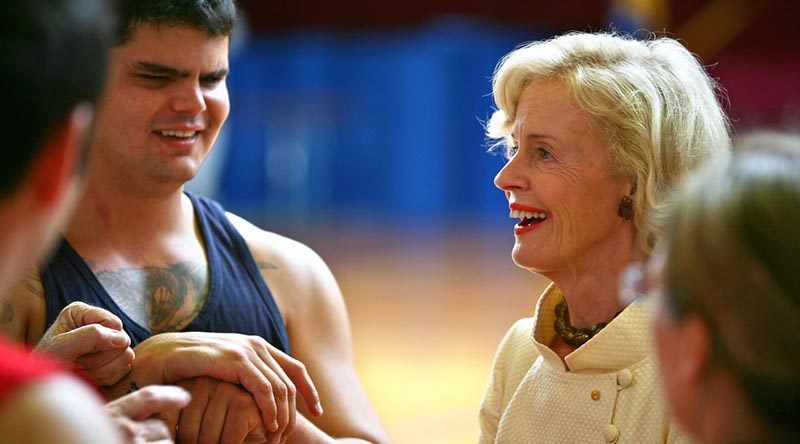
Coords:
pixel 271 378
pixel 93 340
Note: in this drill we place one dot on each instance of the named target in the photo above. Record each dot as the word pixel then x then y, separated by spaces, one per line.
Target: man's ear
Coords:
pixel 693 368
pixel 55 166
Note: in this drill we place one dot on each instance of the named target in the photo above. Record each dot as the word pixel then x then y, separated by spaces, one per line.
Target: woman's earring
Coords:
pixel 625 209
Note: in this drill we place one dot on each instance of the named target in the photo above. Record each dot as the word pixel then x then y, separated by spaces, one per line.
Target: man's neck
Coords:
pixel 127 220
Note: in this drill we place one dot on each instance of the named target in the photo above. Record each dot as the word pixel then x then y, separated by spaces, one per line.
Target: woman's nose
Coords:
pixel 509 178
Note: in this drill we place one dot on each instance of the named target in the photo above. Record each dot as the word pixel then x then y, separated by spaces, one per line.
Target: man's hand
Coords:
pixel 91 339
pixel 133 413
pixel 219 412
pixel 272 377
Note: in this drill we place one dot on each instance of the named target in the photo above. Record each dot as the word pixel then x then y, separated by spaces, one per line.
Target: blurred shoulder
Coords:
pixel 63 404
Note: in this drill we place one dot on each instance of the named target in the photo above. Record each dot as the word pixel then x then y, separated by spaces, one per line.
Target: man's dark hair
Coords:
pixel 53 58
pixel 215 17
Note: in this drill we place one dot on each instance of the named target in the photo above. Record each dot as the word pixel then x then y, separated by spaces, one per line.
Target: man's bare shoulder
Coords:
pixel 22 309
pixel 280 252
pixel 289 266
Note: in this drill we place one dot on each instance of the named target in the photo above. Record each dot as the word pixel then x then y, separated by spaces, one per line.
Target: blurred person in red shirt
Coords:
pixel 52 67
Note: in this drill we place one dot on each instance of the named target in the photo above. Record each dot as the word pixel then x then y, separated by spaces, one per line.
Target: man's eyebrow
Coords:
pixel 155 68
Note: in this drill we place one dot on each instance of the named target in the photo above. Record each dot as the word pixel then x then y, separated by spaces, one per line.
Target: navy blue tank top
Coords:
pixel 238 299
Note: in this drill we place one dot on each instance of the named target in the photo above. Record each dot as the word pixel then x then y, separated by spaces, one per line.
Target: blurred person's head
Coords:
pixel 166 99
pixel 645 112
pixel 768 139
pixel 727 331
pixel 54 56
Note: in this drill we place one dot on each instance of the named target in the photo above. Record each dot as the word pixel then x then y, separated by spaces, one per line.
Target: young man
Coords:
pixel 173 265
pixel 53 61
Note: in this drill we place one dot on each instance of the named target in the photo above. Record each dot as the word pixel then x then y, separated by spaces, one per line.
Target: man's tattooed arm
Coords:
pixel 19 304
pixel 263 265
pixel 6 312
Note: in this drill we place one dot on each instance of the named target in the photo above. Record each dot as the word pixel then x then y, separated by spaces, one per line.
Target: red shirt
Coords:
pixel 18 368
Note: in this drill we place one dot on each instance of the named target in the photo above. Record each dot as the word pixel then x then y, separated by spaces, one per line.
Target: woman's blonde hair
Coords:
pixel 733 248
pixel 653 99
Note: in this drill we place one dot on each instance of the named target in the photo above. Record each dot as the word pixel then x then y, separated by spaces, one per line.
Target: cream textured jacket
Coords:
pixel 608 391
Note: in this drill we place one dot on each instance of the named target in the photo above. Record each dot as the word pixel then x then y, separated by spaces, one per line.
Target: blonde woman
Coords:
pixel 598 129
pixel 729 318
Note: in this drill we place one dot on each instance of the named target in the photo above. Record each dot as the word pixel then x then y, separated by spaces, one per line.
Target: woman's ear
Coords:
pixel 56 164
pixel 631 187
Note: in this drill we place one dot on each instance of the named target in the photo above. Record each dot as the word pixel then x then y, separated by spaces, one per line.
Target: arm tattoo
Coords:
pixel 163 298
pixel 263 265
pixel 33 283
pixel 6 312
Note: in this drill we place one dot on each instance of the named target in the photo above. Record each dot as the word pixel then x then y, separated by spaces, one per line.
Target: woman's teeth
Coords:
pixel 526 215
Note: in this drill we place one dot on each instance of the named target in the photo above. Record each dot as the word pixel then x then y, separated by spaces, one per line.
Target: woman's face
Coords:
pixel 560 170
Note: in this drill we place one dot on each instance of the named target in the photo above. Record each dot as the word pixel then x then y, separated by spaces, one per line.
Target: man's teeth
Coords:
pixel 526 215
pixel 178 133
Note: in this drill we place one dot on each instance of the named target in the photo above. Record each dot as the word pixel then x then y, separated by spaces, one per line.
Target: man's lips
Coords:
pixel 179 132
pixel 178 139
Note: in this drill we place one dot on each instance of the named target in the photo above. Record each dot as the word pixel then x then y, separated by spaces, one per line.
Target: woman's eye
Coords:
pixel 543 154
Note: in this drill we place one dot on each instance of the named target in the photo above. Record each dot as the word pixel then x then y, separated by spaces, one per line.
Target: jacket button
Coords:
pixel 611 433
pixel 624 378
pixel 595 395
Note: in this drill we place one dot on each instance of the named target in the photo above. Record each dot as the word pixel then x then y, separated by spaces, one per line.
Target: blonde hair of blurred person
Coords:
pixel 730 316
pixel 597 129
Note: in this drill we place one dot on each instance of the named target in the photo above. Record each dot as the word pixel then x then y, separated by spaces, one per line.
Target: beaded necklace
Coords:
pixel 571 335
